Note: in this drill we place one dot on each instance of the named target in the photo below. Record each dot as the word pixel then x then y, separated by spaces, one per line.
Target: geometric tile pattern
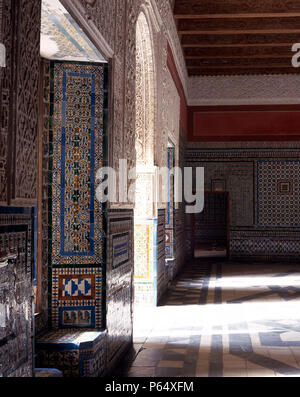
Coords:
pixel 74 288
pixel 285 186
pixel 264 193
pixel 265 245
pixel 76 298
pixel 278 193
pixel 77 148
pixel 222 320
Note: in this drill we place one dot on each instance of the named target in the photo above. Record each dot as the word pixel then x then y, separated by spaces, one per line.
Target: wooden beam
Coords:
pixel 235 45
pixel 240 32
pixel 209 7
pixel 257 25
pixel 239 63
pixel 242 71
pixel 273 56
pixel 261 66
pixel 232 52
pixel 237 16
pixel 240 39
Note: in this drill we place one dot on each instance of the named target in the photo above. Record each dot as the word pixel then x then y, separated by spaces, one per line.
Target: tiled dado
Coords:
pixel 265 245
pixel 162 278
pixel 119 278
pixel 150 269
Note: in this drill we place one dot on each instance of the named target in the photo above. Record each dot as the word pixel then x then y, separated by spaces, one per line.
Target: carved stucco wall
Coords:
pixel 244 90
pixel 116 21
pixel 20 29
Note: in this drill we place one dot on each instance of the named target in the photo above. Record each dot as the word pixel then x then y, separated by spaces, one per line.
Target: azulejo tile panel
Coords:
pixel 161 270
pixel 77 298
pixel 278 193
pixel 144 250
pixel 77 143
pixel 150 267
pixel 145 261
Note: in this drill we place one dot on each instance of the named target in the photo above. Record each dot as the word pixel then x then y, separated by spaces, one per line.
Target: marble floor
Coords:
pixel 221 319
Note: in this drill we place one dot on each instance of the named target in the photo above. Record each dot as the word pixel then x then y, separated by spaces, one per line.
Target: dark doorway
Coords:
pixel 211 227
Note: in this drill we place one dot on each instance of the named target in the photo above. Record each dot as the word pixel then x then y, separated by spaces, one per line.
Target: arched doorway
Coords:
pixel 148 273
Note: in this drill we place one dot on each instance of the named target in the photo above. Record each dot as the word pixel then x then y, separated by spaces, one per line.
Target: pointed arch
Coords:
pixel 145 93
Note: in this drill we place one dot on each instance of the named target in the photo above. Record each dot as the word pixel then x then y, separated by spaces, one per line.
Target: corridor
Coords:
pixel 222 319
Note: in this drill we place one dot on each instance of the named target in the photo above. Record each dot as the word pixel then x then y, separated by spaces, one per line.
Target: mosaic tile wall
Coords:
pixel 145 242
pixel 161 270
pixel 264 189
pixel 170 216
pixel 180 229
pixel 76 217
pixel 16 292
pixel 119 288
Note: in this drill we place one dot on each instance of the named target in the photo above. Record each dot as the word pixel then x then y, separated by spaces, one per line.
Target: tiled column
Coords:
pixel 149 241
pixel 76 217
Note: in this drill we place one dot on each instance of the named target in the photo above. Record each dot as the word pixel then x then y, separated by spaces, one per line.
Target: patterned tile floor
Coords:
pixel 222 319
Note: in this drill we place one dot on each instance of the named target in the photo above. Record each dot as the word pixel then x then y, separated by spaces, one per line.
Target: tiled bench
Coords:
pixel 75 353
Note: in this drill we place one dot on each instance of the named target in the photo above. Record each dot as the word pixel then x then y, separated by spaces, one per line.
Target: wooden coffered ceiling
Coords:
pixel 238 37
